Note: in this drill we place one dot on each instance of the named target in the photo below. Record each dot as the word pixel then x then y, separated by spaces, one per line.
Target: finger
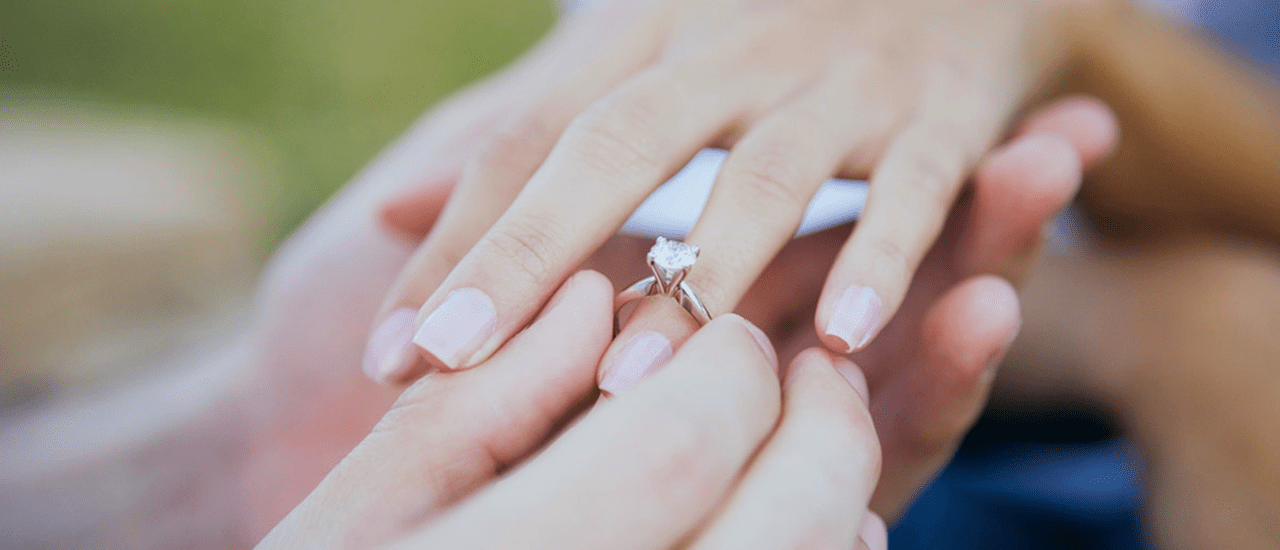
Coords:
pixel 644 468
pixel 761 195
pixel 924 409
pixel 450 433
pixel 645 345
pixel 1084 121
pixel 767 182
pixel 911 193
pixel 1018 192
pixel 564 82
pixel 605 164
pixel 873 535
pixel 1020 188
pixel 810 484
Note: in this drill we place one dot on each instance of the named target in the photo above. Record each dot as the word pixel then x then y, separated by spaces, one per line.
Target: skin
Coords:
pixel 694 455
pixel 1191 377
pixel 268 417
pixel 929 375
pixel 619 97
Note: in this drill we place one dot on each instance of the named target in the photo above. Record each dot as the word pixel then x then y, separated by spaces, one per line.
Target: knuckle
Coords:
pixel 517 144
pixel 618 132
pixel 934 178
pixel 892 257
pixel 427 397
pixel 531 247
pixel 773 179
pixel 936 171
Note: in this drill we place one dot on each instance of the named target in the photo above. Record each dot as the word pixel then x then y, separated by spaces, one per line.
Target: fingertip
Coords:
pixel 585 286
pixel 761 340
pixel 874 533
pixel 1088 124
pixel 413 212
pixel 855 377
pixel 975 321
pixel 851 320
pixel 390 354
pixel 1018 189
pixel 1042 171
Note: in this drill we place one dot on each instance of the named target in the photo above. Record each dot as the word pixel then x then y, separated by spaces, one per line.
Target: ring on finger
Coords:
pixel 670 261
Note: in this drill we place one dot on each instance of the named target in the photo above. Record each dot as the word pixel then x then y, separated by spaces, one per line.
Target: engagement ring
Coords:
pixel 670 262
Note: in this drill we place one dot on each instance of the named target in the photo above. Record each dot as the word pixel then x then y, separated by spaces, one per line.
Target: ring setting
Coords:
pixel 670 261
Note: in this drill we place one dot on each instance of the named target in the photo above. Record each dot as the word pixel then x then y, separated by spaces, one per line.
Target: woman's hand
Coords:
pixel 702 455
pixel 932 367
pixel 910 93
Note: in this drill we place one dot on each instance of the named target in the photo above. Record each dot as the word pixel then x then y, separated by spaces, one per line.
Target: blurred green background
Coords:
pixel 326 82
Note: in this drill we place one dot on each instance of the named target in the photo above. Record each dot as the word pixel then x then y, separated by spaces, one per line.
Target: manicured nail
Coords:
pixel 991 369
pixel 854 376
pixel 873 533
pixel 855 317
pixel 763 342
pixel 458 327
pixel 390 352
pixel 643 355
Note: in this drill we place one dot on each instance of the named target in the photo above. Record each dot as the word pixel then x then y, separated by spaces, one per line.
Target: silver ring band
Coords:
pixel 646 287
pixel 670 262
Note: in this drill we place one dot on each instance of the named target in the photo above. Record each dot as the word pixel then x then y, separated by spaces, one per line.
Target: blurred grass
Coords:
pixel 329 82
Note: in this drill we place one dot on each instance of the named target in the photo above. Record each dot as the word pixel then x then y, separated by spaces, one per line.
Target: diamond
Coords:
pixel 671 257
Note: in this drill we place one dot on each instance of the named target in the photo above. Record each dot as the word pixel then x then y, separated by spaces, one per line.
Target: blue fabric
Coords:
pixel 1250 27
pixel 1029 495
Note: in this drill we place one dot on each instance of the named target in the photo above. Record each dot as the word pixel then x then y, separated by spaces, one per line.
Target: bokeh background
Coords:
pixel 322 84
pixel 153 153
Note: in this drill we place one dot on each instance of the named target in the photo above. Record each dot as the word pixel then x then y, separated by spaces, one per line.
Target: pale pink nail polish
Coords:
pixel 855 317
pixel 458 327
pixel 390 352
pixel 643 355
pixel 853 375
pixel 873 533
pixel 763 342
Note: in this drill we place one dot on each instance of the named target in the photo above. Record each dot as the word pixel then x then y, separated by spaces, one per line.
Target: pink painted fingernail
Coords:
pixel 763 342
pixel 873 533
pixel 390 352
pixel 458 327
pixel 855 317
pixel 853 375
pixel 643 355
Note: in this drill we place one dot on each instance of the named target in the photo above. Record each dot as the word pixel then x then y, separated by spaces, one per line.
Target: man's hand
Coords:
pixel 699 455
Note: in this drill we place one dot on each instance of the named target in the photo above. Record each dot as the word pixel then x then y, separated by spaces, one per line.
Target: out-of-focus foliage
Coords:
pixel 329 82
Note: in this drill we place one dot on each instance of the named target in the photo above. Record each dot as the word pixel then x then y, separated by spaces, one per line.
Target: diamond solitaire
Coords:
pixel 671 261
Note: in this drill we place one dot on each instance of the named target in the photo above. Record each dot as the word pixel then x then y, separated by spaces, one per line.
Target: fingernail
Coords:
pixel 855 377
pixel 992 368
pixel 873 533
pixel 763 342
pixel 855 317
pixel 390 352
pixel 458 327
pixel 643 355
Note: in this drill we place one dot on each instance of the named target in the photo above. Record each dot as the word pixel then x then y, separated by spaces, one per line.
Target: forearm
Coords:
pixel 153 466
pixel 1200 128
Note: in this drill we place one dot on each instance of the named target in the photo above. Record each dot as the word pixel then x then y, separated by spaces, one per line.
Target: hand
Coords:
pixel 931 369
pixel 910 93
pixel 698 456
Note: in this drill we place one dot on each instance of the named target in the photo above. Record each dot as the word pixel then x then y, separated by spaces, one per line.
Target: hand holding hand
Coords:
pixel 699 455
pixel 911 94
